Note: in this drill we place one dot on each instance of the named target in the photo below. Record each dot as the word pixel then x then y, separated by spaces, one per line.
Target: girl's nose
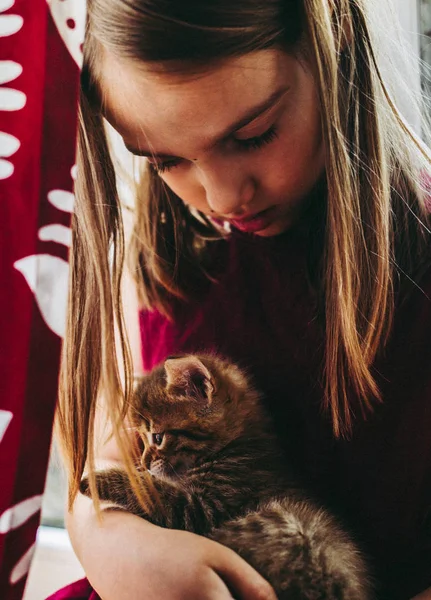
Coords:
pixel 228 189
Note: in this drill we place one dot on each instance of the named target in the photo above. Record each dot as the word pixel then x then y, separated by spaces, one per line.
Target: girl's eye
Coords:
pixel 258 141
pixel 253 143
pixel 162 167
pixel 158 438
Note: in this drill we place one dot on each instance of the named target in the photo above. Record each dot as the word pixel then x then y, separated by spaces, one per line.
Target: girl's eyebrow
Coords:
pixel 251 115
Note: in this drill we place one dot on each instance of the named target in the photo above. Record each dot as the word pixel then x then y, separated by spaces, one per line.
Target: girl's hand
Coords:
pixel 127 558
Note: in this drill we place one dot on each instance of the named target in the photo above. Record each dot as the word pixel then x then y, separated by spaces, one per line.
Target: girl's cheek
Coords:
pixel 188 189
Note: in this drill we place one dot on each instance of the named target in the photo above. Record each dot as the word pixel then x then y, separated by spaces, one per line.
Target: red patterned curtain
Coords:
pixel 40 54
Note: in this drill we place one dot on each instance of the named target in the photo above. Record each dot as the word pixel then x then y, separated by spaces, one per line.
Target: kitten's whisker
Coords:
pixel 179 476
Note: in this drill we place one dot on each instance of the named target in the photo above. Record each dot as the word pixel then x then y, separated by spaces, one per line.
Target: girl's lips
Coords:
pixel 255 223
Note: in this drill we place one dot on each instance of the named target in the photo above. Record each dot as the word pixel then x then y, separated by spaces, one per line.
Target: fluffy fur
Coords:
pixel 218 472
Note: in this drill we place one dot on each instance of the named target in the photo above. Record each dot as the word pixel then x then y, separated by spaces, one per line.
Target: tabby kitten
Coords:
pixel 217 468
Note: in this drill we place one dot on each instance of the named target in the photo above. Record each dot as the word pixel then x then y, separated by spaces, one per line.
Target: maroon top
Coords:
pixel 261 313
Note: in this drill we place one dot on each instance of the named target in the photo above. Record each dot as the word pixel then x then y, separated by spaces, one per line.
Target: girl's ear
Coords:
pixel 188 377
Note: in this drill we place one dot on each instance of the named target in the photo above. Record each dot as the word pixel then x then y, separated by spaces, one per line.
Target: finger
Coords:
pixel 219 589
pixel 244 582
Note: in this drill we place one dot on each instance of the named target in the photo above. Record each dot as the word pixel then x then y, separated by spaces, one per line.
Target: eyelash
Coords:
pixel 254 143
pixel 259 141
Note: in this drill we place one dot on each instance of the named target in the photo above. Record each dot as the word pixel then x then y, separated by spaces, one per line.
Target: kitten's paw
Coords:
pixel 84 487
pixel 110 484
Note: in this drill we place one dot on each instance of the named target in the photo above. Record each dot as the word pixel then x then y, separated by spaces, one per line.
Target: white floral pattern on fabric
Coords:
pixel 22 567
pixel 61 199
pixel 69 18
pixel 10 99
pixel 56 233
pixel 13 518
pixel 8 146
pixel 5 419
pixel 17 515
pixel 46 275
pixel 9 24
pixel 6 4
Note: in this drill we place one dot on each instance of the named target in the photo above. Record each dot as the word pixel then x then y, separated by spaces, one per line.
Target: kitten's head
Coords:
pixel 191 407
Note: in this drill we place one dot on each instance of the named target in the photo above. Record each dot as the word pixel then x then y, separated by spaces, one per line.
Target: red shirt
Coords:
pixel 262 314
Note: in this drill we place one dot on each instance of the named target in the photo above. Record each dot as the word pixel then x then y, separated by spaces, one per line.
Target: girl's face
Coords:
pixel 241 142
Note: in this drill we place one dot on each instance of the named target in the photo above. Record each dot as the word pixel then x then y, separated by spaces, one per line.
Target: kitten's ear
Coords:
pixel 188 376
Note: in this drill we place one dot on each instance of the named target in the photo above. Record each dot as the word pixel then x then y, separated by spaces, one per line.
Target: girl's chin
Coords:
pixel 276 228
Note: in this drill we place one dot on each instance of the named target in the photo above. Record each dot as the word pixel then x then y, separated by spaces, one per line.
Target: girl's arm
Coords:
pixel 127 558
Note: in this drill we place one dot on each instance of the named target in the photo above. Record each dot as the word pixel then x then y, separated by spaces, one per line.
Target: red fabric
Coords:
pixel 80 590
pixel 45 128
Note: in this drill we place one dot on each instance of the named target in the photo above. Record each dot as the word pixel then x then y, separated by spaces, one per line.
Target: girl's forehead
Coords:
pixel 138 100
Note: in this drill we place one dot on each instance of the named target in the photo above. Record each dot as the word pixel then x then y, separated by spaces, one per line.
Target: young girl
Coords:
pixel 280 221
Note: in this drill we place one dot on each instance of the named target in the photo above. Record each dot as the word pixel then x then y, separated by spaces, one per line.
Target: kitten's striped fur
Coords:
pixel 218 471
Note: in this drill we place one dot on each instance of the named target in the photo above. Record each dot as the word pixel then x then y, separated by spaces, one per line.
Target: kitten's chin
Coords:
pixel 163 470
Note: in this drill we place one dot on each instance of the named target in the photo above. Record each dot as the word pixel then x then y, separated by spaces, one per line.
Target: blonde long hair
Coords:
pixel 376 219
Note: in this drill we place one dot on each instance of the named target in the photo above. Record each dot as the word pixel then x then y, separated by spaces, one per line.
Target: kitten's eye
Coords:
pixel 158 439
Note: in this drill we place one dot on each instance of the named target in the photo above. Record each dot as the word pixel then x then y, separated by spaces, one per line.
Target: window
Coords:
pixel 425 41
